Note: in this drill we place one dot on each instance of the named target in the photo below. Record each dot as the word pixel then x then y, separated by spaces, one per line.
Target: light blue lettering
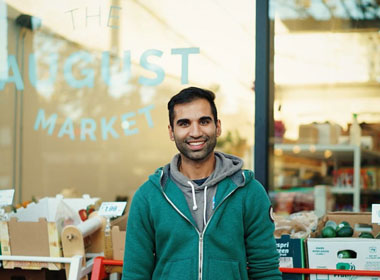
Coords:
pixel 53 69
pixel 88 127
pixel 89 73
pixel 67 128
pixel 111 16
pixel 88 16
pixel 16 78
pixel 151 67
pixel 146 112
pixel 107 128
pixel 40 120
pixel 72 16
pixel 126 124
pixel 185 52
pixel 106 65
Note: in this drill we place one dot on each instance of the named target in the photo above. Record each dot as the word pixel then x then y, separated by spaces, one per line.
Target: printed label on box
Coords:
pixel 112 209
pixel 376 213
pixel 6 197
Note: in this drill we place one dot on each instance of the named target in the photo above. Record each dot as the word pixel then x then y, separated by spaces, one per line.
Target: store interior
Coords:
pixel 326 105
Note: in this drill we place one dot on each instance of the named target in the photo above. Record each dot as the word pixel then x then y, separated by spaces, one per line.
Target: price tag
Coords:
pixel 112 209
pixel 376 213
pixel 6 197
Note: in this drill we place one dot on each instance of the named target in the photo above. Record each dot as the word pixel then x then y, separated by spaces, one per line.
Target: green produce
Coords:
pixel 345 231
pixel 328 232
pixel 342 224
pixel 330 223
pixel 366 235
pixel 345 254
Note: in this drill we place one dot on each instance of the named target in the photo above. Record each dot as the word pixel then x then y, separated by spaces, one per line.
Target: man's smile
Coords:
pixel 196 144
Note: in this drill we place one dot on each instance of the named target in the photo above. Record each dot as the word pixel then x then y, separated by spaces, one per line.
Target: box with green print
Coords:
pixel 349 253
pixel 291 251
pixel 343 253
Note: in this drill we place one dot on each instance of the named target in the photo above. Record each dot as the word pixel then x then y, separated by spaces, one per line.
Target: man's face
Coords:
pixel 194 130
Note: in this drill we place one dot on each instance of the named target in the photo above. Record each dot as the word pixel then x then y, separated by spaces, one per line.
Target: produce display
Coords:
pixel 343 229
pixel 84 213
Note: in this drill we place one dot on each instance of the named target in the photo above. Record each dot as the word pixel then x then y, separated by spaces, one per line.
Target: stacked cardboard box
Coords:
pixel 324 252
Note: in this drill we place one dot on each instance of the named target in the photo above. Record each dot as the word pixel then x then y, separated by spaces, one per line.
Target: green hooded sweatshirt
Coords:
pixel 163 242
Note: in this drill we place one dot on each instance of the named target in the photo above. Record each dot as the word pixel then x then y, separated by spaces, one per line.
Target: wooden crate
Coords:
pixel 30 239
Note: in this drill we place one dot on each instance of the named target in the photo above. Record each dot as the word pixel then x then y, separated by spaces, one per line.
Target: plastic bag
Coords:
pixel 65 216
pixel 297 225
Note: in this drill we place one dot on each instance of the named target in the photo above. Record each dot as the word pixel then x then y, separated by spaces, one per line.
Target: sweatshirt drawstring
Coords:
pixel 205 206
pixel 195 207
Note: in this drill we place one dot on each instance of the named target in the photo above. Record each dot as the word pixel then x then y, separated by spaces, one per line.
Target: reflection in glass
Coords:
pixel 326 68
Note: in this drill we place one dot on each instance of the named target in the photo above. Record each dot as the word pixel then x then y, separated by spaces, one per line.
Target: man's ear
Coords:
pixel 218 128
pixel 171 134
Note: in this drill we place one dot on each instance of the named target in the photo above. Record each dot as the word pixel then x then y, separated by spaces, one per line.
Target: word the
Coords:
pixel 88 126
pixel 88 74
pixel 75 14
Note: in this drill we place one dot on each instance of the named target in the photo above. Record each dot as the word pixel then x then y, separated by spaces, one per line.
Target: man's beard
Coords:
pixel 200 155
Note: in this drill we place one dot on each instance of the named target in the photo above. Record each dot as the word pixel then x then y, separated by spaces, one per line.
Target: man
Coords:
pixel 201 216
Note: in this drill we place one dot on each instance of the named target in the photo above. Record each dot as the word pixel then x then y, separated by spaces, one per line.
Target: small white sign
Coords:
pixel 376 213
pixel 112 209
pixel 6 197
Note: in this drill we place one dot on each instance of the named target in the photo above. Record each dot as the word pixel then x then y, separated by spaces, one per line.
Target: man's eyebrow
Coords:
pixel 205 118
pixel 182 121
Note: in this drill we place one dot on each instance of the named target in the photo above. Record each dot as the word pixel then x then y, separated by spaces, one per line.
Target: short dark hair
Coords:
pixel 188 95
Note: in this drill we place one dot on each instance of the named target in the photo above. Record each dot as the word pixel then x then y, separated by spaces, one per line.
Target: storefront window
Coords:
pixel 326 104
pixel 84 87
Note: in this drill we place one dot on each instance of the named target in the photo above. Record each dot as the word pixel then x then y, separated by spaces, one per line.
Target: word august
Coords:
pixel 87 78
pixel 88 128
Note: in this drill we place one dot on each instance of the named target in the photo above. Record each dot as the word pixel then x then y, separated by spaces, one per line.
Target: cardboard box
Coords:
pixel 328 133
pixel 291 255
pixel 30 239
pixel 355 220
pixel 34 231
pixel 319 133
pixel 373 130
pixel 324 253
pixel 307 134
pixel 118 237
pixel 327 252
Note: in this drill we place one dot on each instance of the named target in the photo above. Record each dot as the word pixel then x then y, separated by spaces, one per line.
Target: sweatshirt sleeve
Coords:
pixel 139 243
pixel 262 255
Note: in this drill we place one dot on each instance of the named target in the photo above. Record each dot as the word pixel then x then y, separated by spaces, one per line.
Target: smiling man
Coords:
pixel 201 216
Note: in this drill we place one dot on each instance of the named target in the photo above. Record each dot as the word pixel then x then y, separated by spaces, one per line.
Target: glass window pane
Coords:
pixel 327 82
pixel 84 105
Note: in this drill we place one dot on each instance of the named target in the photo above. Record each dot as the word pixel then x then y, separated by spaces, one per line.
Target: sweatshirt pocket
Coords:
pixel 223 269
pixel 178 270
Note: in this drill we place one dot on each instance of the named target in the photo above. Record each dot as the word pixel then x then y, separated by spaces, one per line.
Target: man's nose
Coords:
pixel 195 130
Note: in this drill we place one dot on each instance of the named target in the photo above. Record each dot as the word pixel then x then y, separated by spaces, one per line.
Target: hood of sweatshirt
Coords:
pixel 225 165
pixel 201 198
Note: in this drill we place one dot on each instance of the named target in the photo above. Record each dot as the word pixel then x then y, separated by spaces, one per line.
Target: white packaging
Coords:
pixel 323 253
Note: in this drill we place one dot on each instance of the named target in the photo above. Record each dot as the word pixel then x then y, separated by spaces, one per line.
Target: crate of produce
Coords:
pixel 36 230
pixel 344 240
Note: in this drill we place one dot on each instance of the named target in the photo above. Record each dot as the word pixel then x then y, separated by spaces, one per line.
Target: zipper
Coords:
pixel 200 234
pixel 200 237
pixel 200 263
pixel 227 196
pixel 204 230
